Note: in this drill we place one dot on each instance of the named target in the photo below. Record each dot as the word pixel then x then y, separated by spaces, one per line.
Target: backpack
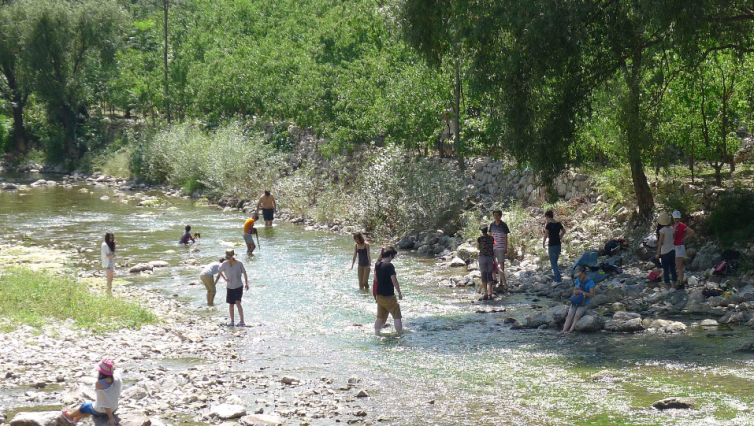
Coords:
pixel 721 268
pixel 711 292
pixel 614 246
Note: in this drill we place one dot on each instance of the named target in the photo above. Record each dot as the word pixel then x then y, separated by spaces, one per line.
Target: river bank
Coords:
pixel 312 323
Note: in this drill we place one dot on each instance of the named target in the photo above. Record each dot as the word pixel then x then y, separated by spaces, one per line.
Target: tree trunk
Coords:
pixel 635 137
pixel 457 115
pixel 18 125
pixel 167 93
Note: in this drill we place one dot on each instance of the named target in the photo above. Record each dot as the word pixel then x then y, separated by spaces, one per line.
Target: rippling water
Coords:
pixel 455 366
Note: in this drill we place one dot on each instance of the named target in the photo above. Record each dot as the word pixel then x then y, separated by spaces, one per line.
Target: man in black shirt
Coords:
pixel 384 292
pixel 554 231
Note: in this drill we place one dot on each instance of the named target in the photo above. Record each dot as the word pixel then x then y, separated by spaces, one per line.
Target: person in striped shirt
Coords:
pixel 500 231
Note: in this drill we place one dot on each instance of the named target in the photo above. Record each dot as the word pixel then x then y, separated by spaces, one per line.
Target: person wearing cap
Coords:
pixel 554 232
pixel 485 244
pixel 107 387
pixel 232 270
pixel 666 250
pixel 248 234
pixel 681 231
pixel 583 291
pixel 207 278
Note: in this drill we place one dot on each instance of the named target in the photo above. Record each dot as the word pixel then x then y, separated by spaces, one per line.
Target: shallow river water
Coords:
pixel 454 366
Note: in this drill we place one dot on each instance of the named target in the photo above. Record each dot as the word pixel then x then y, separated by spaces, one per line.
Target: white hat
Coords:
pixel 676 214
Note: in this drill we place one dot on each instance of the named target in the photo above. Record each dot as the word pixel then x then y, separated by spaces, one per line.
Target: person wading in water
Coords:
pixel 269 207
pixel 361 250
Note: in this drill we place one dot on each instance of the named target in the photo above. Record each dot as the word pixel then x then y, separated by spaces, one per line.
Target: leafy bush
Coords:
pixel 116 163
pixel 616 185
pixel 733 218
pixel 227 160
pixel 30 297
pixel 678 200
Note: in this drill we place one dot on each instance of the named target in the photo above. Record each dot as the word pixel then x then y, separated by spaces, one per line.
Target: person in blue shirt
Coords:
pixel 583 291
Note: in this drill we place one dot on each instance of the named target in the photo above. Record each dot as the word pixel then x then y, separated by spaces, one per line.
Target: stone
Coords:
pixel 406 244
pixel 9 186
pixel 140 267
pixel 604 375
pixel 135 392
pixel 40 182
pixel 125 420
pixel 709 323
pixel 599 300
pixel 674 402
pixel 457 262
pixel 40 418
pixel 589 323
pixel 227 411
pixel 159 264
pixel 362 394
pixel 534 321
pixel 288 380
pixel 624 322
pixel 556 314
pixel 260 420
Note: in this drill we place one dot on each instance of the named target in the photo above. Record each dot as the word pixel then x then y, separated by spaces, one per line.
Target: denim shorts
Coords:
pixel 88 408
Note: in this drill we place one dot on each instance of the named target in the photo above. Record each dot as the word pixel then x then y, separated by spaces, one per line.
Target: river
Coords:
pixel 454 366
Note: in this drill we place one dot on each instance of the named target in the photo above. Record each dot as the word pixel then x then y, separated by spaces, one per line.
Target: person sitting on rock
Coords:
pixel 583 291
pixel 107 387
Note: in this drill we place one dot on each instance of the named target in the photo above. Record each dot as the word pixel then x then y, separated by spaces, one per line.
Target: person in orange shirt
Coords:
pixel 248 232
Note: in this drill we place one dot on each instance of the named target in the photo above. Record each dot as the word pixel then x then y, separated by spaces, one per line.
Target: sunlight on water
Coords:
pixel 454 366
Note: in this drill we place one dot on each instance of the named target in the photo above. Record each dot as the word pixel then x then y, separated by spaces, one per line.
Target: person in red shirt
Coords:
pixel 680 232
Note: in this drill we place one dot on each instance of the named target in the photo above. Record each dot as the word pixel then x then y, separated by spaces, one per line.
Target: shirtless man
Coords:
pixel 269 207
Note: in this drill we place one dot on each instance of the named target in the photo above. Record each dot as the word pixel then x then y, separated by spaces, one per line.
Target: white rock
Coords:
pixel 159 264
pixel 457 262
pixel 41 418
pixel 227 411
pixel 260 420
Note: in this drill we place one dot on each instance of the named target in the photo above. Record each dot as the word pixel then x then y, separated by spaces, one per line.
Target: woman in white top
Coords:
pixel 666 250
pixel 108 259
pixel 108 387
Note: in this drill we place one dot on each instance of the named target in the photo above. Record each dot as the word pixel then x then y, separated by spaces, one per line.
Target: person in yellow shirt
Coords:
pixel 248 232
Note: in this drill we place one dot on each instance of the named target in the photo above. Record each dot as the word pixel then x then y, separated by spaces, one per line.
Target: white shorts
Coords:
pixel 680 251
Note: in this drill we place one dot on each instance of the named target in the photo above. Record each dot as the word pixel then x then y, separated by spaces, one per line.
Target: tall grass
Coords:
pixel 33 297
pixel 228 160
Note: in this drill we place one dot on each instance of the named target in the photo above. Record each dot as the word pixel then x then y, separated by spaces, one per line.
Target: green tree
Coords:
pixel 65 39
pixel 15 86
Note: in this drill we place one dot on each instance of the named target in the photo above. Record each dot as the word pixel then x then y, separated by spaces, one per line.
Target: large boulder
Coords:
pixel 556 314
pixel 124 420
pixel 140 267
pixel 227 411
pixel 674 402
pixel 39 418
pixel 468 252
pixel 407 243
pixel 457 262
pixel 624 322
pixel 534 321
pixel 696 304
pixel 589 323
pixel 705 258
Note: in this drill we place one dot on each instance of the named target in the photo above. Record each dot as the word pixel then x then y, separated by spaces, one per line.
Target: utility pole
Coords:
pixel 167 92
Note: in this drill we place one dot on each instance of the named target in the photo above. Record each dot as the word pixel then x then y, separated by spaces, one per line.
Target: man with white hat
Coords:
pixel 681 231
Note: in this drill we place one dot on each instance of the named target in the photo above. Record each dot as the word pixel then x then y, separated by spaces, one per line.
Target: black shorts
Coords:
pixel 268 214
pixel 233 295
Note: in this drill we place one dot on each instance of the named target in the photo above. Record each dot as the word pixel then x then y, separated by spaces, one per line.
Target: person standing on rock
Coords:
pixel 208 279
pixel 108 259
pixel 485 245
pixel 387 284
pixel 681 231
pixel 107 388
pixel 232 270
pixel 186 237
pixel 666 251
pixel 269 207
pixel 361 250
pixel 248 234
pixel 500 231
pixel 554 232
pixel 583 291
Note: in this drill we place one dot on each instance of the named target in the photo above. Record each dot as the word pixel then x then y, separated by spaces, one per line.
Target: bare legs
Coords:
pixel 679 268
pixel 574 315
pixel 379 321
pixel 240 312
pixel 109 275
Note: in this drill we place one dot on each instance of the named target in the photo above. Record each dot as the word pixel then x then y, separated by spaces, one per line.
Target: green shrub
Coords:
pixel 33 296
pixel 191 185
pixel 678 200
pixel 615 185
pixel 733 218
pixel 117 163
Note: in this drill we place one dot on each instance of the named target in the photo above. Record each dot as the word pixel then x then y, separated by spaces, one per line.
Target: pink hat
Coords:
pixel 106 367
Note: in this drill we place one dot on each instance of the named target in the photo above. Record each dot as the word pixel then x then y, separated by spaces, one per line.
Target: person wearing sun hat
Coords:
pixel 679 235
pixel 666 250
pixel 107 387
